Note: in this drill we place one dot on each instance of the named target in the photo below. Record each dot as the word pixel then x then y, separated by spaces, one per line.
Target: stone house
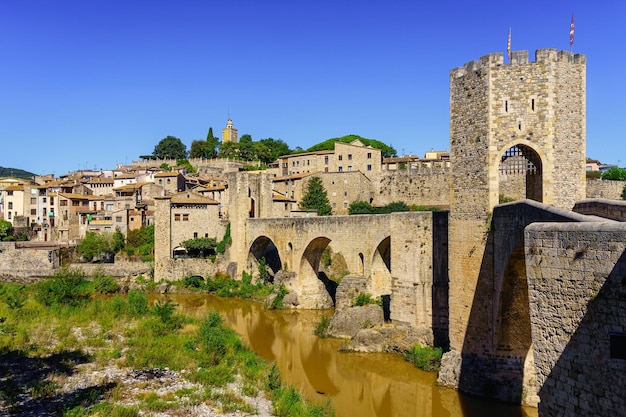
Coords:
pixel 101 185
pixel 172 182
pixel 345 157
pixel 186 215
pixel 218 193
pixel 342 188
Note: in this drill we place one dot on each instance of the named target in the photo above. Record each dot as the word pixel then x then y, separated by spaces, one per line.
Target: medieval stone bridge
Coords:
pixel 546 280
pixel 398 252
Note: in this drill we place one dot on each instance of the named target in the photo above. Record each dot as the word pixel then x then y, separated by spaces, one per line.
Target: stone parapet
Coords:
pixel 576 291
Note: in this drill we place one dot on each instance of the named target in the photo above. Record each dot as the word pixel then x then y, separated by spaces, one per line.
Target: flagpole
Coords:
pixel 508 46
pixel 571 35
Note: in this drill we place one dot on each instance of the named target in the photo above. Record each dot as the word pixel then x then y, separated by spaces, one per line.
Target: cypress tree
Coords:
pixel 316 198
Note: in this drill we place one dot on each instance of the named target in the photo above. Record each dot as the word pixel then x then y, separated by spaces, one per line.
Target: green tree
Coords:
pixel 262 153
pixel 198 149
pixel 188 167
pixel 94 245
pixel 276 148
pixel 213 144
pixel 117 241
pixel 230 150
pixel 200 247
pixel 316 198
pixel 206 149
pixel 614 174
pixel 246 148
pixel 170 147
pixel 6 228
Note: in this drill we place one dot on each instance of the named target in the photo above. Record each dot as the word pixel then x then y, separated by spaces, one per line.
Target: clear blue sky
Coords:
pixel 90 83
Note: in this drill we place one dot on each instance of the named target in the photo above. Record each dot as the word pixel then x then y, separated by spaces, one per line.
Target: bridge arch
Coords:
pixel 520 172
pixel 264 248
pixel 316 289
pixel 381 268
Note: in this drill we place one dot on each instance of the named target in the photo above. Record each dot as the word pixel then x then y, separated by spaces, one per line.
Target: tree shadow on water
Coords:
pixel 27 390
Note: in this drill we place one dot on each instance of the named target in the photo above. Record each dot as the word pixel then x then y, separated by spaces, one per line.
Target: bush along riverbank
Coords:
pixel 65 351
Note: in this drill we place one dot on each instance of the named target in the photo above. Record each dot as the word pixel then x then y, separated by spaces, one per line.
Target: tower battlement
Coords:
pixel 496 59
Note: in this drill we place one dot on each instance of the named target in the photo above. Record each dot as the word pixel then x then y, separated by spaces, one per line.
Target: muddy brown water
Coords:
pixel 357 384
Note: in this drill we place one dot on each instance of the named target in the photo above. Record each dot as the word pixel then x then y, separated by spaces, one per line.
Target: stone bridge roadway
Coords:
pixel 394 252
pixel 541 266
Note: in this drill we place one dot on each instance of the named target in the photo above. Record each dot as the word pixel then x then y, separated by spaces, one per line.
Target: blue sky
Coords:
pixel 92 83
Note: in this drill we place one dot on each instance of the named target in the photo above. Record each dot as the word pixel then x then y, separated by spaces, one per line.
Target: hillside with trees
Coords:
pixel 265 151
pixel 327 145
pixel 16 173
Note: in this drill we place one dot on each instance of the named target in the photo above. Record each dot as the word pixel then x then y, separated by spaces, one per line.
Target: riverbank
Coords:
pixel 64 352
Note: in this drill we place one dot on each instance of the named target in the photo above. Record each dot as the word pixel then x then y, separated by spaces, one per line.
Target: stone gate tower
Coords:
pixel 516 130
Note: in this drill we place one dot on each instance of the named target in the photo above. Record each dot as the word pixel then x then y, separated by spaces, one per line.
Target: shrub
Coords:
pixel 6 228
pixel 280 295
pixel 68 286
pixel 273 381
pixel 165 312
pixel 264 275
pixel 226 241
pixel 193 281
pixel 327 257
pixel 215 340
pixel 624 193
pixel 106 284
pixel 14 296
pixel 321 329
pixel 425 358
pixel 360 207
pixel 365 298
pixel 137 302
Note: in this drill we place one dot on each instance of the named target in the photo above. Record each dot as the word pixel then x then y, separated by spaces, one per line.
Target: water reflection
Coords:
pixel 358 384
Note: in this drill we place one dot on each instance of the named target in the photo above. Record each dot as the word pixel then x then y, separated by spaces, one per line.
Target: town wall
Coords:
pixel 204 166
pixel 119 268
pixel 611 189
pixel 424 186
pixel 19 263
pixel 576 291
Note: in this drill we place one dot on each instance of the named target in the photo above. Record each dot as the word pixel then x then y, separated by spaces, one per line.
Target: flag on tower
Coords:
pixel 508 46
pixel 571 32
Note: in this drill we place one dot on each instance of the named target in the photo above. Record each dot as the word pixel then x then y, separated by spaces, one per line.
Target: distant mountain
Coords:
pixel 14 172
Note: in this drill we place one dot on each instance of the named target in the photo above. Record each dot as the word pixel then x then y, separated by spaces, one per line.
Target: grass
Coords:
pixel 45 334
pixel 224 286
pixel 364 298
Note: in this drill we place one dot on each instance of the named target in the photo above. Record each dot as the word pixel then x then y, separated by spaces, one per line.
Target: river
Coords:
pixel 357 384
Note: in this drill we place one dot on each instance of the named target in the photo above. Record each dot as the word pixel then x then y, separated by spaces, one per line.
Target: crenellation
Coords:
pixel 519 57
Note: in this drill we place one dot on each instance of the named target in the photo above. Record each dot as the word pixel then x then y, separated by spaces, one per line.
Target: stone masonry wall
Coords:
pixel 20 263
pixel 423 186
pixel 605 189
pixel 609 209
pixel 577 288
